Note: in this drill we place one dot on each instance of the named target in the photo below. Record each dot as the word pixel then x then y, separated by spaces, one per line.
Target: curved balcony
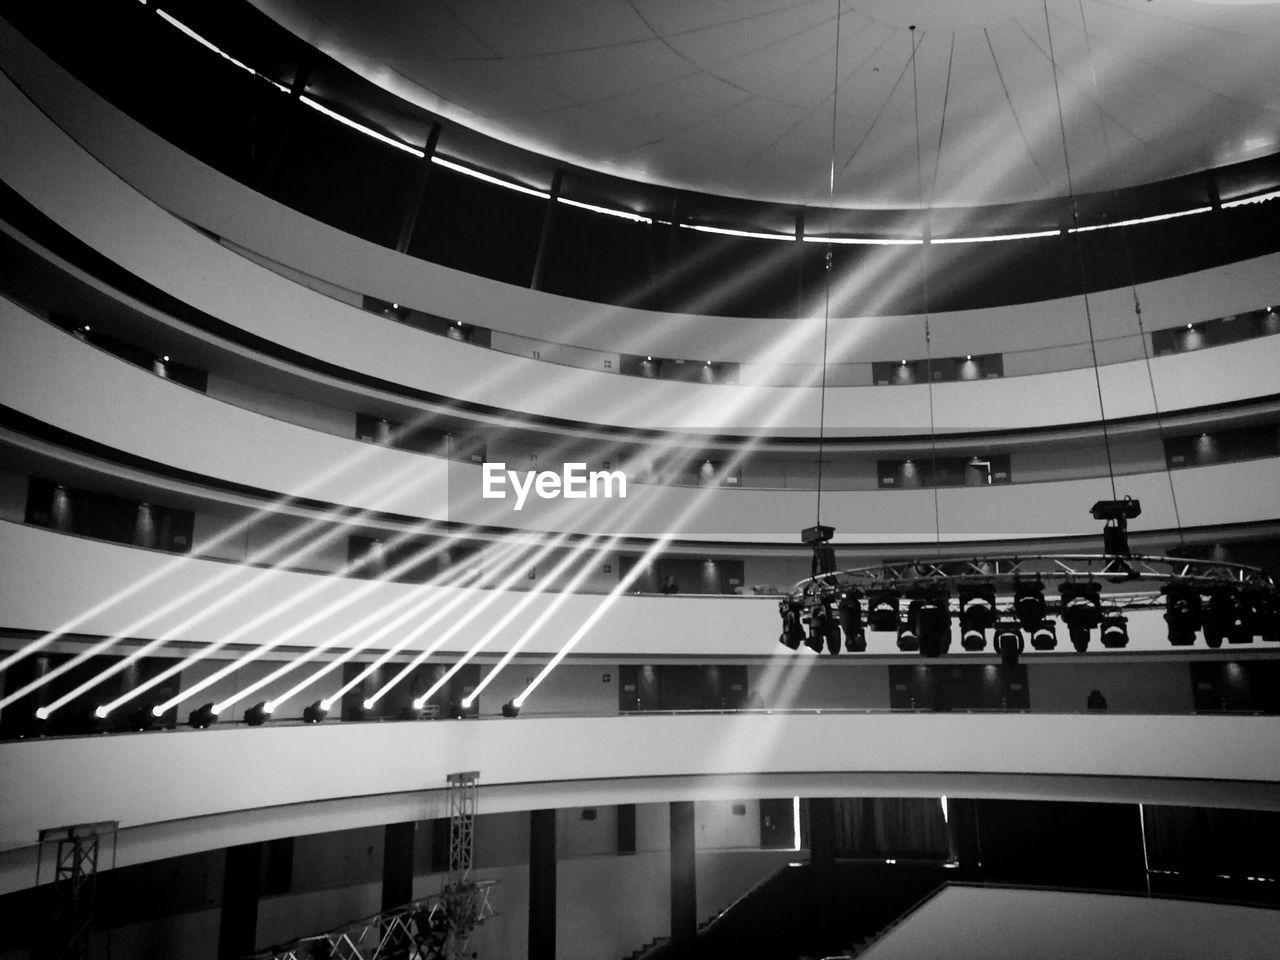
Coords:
pixel 228 787
pixel 61 382
pixel 363 184
pixel 1044 336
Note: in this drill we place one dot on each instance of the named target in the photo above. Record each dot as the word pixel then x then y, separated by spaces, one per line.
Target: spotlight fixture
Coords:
pixel 1081 610
pixel 977 615
pixel 882 610
pixel 908 640
pixel 410 711
pixel 792 632
pixel 1182 613
pixel 930 621
pixel 1008 641
pixel 819 621
pixel 456 711
pixel 202 717
pixel 1220 620
pixel 1028 603
pixel 850 615
pixel 1045 636
pixel 315 713
pixel 1114 632
pixel 509 710
pixel 257 715
pixel 1267 613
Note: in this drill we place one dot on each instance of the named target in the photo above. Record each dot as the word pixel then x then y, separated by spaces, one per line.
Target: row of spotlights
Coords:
pixel 926 626
pixel 1226 614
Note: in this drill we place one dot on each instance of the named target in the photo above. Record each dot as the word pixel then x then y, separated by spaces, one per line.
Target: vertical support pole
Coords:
pixel 548 217
pixel 684 889
pixel 397 864
pixel 238 924
pixel 413 208
pixel 542 885
pixel 962 825
pixel 822 860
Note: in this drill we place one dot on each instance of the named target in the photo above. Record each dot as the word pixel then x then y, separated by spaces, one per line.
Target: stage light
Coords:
pixel 1182 613
pixel 792 632
pixel 819 621
pixel 409 712
pixel 977 615
pixel 456 711
pixel 202 717
pixel 824 628
pixel 882 610
pixel 1114 632
pixel 1028 603
pixel 315 713
pixel 1045 636
pixel 257 715
pixel 1081 610
pixel 510 710
pixel 908 642
pixel 1267 611
pixel 931 622
pixel 1008 641
pixel 850 615
pixel 1221 619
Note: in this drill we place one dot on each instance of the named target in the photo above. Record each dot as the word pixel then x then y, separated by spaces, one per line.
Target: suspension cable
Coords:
pixel 1133 283
pixel 826 304
pixel 1075 222
pixel 924 282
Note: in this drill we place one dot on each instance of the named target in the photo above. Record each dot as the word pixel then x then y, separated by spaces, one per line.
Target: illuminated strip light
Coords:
pixel 607 211
pixel 998 237
pixel 1140 220
pixel 487 178
pixel 416 610
pixel 750 234
pixel 1256 198
pixel 356 125
pixel 795 824
pixel 567 591
pixel 510 615
pixel 867 241
pixel 507 583
pixel 208 45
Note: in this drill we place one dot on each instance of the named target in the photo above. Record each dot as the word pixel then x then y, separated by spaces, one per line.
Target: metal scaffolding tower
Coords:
pixel 463 903
pixel 75 866
pixel 462 822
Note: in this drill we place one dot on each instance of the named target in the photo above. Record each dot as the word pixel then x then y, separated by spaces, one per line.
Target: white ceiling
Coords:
pixel 735 96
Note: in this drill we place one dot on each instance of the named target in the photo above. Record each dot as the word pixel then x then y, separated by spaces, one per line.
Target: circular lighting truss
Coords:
pixel 1021 599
